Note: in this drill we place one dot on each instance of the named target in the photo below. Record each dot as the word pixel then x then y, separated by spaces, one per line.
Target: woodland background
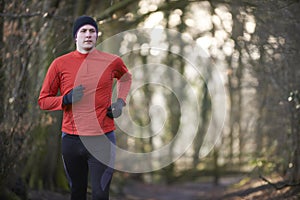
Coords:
pixel 256 43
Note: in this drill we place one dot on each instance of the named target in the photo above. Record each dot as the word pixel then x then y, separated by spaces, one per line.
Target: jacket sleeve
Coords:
pixel 124 79
pixel 48 99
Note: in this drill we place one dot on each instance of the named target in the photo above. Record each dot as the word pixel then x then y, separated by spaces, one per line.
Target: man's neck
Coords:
pixel 85 51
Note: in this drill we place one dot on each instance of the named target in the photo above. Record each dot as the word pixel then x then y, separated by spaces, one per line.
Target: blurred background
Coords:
pixel 253 44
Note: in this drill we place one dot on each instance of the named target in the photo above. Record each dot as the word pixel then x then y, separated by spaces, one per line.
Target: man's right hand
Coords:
pixel 74 95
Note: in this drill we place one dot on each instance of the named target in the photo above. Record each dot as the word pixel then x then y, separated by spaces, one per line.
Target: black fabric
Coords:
pixel 81 21
pixel 80 161
pixel 74 95
pixel 115 110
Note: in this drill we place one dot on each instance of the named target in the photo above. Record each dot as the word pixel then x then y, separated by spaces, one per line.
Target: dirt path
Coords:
pixel 142 191
pixel 254 189
pixel 183 191
pixel 188 191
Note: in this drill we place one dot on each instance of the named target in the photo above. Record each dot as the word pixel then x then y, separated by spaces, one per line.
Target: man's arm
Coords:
pixel 124 79
pixel 48 99
pixel 123 85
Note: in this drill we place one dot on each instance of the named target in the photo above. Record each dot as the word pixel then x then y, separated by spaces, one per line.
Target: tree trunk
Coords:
pixel 2 74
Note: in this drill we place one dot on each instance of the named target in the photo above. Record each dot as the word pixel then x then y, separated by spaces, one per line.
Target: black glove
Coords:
pixel 74 95
pixel 115 110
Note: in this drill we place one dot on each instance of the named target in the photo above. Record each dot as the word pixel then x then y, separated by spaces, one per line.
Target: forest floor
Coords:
pixel 229 188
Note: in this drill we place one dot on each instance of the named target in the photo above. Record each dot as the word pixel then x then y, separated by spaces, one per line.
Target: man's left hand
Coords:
pixel 115 110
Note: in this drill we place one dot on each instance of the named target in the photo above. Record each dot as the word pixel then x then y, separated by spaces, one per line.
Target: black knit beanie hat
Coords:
pixel 81 21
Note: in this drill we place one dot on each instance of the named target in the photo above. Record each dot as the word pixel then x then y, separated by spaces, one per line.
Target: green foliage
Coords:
pixel 263 165
pixel 60 178
pixel 8 195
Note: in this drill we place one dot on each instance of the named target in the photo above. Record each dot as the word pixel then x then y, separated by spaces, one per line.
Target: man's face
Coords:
pixel 86 38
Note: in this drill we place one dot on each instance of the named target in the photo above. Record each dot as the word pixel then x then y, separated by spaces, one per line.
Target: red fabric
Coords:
pixel 96 72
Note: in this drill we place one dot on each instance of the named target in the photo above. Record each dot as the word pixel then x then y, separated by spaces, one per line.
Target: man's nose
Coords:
pixel 88 34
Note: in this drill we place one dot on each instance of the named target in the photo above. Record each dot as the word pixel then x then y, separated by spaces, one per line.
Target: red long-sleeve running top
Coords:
pixel 95 71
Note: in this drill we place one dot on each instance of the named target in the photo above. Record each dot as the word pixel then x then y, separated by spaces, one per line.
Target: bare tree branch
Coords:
pixel 35 14
pixel 110 10
pixel 280 185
